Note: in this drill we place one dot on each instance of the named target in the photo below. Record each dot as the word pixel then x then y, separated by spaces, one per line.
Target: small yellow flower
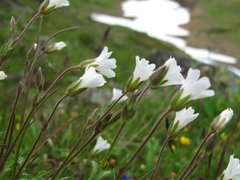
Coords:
pixel 18 126
pixel 185 140
pixel 224 136
pixel 173 147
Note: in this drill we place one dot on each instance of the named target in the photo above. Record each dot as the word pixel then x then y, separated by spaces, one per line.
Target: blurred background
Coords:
pixel 201 34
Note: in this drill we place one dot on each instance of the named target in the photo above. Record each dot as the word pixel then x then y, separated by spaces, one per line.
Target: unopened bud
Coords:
pixel 31 52
pixel 39 81
pixel 13 27
pixel 55 47
pixel 221 120
pixel 7 50
pixel 156 79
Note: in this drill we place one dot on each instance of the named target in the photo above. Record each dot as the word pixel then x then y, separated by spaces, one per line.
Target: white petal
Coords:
pixel 104 64
pixel 91 79
pixel 58 3
pixel 2 75
pixel 60 45
pixel 101 145
pixel 117 93
pixel 143 70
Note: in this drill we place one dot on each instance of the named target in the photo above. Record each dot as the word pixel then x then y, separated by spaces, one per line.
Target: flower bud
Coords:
pixel 56 47
pixel 13 27
pixel 39 81
pixel 156 78
pixel 221 120
pixel 7 50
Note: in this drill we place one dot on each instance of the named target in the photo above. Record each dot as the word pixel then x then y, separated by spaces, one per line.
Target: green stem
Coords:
pixel 159 157
pixel 123 124
pixel 44 128
pixel 190 164
pixel 70 158
pixel 26 28
pixel 12 118
pixel 156 126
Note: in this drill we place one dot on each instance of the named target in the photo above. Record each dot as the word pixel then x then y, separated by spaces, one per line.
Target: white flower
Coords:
pixel 232 172
pixel 58 3
pixel 90 79
pixel 184 117
pixel 117 93
pixel 220 121
pixel 143 70
pixel 101 145
pixel 173 75
pixel 49 5
pixel 2 75
pixel 56 47
pixel 194 87
pixel 104 64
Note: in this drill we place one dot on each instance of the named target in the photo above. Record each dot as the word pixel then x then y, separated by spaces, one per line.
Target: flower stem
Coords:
pixel 123 124
pixel 71 156
pixel 156 126
pixel 34 109
pixel 27 26
pixel 70 69
pixel 190 164
pixel 11 121
pixel 159 157
pixel 44 128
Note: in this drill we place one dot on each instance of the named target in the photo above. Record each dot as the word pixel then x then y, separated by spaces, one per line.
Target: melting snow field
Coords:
pixel 161 19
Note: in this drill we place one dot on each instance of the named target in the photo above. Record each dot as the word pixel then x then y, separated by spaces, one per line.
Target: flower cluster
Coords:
pixel 95 73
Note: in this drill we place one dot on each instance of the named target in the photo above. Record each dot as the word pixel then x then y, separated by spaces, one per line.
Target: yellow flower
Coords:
pixel 18 126
pixel 185 140
pixel 173 147
pixel 224 136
